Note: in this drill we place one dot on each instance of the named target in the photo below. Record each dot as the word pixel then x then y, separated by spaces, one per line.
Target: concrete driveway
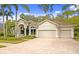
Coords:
pixel 43 45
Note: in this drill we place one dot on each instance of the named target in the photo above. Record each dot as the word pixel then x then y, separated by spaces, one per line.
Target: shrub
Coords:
pixel 10 35
pixel 1 33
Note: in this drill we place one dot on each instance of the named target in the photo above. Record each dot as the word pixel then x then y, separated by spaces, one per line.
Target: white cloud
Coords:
pixel 36 15
pixel 73 8
pixel 56 13
pixel 31 14
pixel 77 6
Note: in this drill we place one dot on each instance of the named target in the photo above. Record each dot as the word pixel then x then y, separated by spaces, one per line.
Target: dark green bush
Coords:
pixel 1 33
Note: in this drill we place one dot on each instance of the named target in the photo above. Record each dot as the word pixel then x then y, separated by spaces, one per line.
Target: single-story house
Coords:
pixel 45 29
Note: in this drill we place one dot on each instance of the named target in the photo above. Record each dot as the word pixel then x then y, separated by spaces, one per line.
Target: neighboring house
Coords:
pixel 45 29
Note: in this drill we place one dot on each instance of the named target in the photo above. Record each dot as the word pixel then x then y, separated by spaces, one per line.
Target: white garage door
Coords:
pixel 65 34
pixel 47 34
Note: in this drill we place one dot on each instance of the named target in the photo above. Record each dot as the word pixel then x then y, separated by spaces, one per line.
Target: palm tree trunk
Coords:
pixel 3 21
pixel 16 25
pixel 67 16
pixel 6 26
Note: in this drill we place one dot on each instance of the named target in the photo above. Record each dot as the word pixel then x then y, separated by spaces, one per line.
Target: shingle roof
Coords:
pixel 54 21
pixel 61 22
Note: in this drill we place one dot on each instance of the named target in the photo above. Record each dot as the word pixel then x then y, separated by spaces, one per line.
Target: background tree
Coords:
pixel 22 16
pixel 77 9
pixel 2 10
pixel 16 12
pixel 66 10
pixel 46 8
pixel 68 13
pixel 8 14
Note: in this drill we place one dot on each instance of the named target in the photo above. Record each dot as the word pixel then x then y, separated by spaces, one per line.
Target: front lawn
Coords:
pixel 14 40
pixel 29 37
pixel 1 46
pixel 11 40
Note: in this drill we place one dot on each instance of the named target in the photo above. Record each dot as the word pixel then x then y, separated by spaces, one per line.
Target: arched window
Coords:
pixel 21 26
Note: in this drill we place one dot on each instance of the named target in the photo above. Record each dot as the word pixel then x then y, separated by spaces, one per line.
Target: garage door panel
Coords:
pixel 47 34
pixel 65 34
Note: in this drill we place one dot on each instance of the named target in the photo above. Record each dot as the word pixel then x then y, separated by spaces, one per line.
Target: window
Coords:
pixel 21 29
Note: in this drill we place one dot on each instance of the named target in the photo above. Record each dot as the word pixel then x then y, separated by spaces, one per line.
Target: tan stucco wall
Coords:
pixel 47 26
pixel 47 30
pixel 55 31
pixel 18 28
pixel 58 31
pixel 22 22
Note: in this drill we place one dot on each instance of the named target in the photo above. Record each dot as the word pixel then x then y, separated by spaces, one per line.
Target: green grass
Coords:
pixel 14 40
pixel 1 46
pixel 29 37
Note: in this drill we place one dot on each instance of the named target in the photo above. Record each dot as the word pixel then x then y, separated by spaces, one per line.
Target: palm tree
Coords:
pixel 16 12
pixel 8 14
pixel 46 7
pixel 66 7
pixel 66 10
pixel 2 9
pixel 68 13
pixel 16 8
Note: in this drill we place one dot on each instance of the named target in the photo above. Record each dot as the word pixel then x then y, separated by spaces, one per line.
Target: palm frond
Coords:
pixel 26 7
pixel 51 7
pixel 65 7
pixel 44 7
pixel 15 6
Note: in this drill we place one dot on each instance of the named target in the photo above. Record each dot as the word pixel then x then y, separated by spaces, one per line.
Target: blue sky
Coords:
pixel 34 9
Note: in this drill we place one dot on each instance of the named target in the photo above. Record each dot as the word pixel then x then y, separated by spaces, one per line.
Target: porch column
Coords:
pixel 29 30
pixel 72 33
pixel 25 31
pixel 37 32
pixel 18 32
pixel 57 33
